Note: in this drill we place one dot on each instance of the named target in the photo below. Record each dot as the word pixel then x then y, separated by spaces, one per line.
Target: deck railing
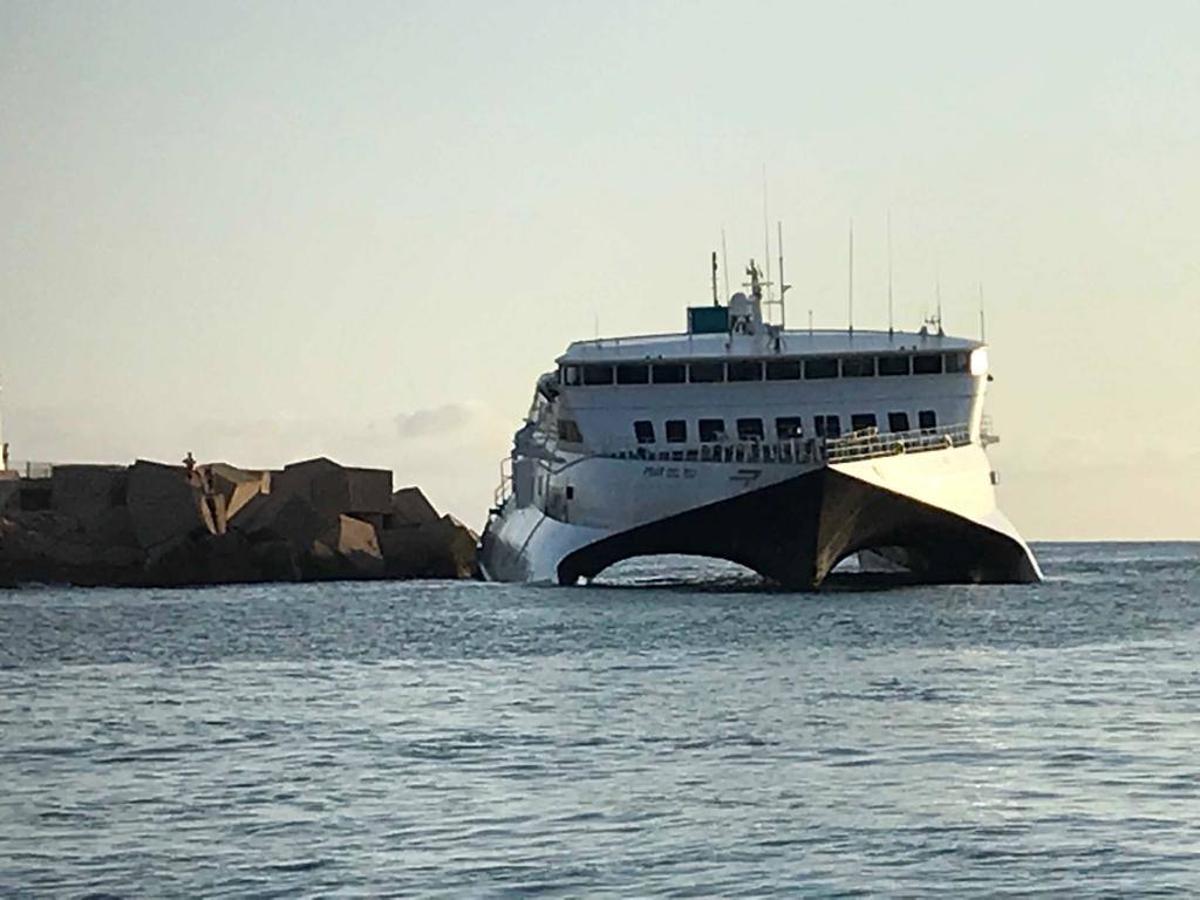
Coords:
pixel 868 443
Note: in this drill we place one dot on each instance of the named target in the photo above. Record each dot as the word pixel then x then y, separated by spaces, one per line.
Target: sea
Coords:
pixel 675 729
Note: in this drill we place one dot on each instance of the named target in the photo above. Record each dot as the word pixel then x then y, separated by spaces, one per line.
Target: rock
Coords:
pixel 88 492
pixel 357 545
pixel 444 548
pixel 54 548
pixel 333 489
pixel 409 506
pixel 283 517
pixel 163 505
pixel 237 486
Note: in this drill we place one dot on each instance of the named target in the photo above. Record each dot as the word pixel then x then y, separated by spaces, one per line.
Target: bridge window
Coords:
pixel 706 373
pixel 597 374
pixel 745 370
pixel 788 427
pixel 822 367
pixel 669 373
pixel 569 431
pixel 927 364
pixel 927 420
pixel 676 431
pixel 749 429
pixel 828 426
pixel 644 431
pixel 633 374
pixel 956 362
pixel 570 375
pixel 858 366
pixel 893 365
pixel 863 421
pixel 783 370
pixel 897 421
pixel 711 430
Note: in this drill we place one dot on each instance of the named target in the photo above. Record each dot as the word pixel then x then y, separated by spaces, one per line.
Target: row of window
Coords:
pixel 675 431
pixel 817 367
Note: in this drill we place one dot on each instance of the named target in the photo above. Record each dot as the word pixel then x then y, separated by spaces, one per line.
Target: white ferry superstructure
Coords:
pixel 785 451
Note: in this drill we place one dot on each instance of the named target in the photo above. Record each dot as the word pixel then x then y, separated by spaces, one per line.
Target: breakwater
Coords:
pixel 152 524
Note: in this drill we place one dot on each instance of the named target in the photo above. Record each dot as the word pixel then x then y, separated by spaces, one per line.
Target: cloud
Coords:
pixel 434 420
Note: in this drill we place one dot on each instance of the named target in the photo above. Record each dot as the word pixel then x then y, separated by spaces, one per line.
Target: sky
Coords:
pixel 262 232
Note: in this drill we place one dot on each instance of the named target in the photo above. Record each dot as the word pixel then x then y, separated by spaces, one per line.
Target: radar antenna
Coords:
pixel 716 302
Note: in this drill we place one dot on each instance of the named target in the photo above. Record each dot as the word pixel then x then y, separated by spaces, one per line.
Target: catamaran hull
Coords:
pixel 934 513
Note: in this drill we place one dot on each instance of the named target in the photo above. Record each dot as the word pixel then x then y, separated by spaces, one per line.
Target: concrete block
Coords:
pixel 410 506
pixel 163 505
pixel 283 517
pixel 237 486
pixel 86 492
pixel 444 548
pixel 334 489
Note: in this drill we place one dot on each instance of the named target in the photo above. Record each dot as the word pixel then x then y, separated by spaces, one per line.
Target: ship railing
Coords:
pixel 504 488
pixel 987 431
pixel 869 443
pixel 796 451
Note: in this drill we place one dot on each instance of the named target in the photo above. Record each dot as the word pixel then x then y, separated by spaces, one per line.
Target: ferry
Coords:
pixel 786 451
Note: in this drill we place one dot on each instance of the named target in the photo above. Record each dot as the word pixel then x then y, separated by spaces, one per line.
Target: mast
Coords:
pixel 783 285
pixel 939 307
pixel 766 242
pixel 714 278
pixel 850 290
pixel 891 311
pixel 724 262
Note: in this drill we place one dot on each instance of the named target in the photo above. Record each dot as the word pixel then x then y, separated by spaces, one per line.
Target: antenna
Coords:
pixel 784 287
pixel 891 316
pixel 939 307
pixel 810 323
pixel 850 292
pixel 714 278
pixel 766 240
pixel 982 322
pixel 724 262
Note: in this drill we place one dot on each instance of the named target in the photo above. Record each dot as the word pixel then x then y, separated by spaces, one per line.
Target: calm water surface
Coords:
pixel 675 731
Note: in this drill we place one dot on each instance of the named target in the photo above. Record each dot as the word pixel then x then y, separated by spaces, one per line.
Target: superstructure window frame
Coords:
pixel 893 364
pixel 568 431
pixel 863 421
pixel 820 367
pixel 597 374
pixel 711 430
pixel 633 373
pixel 927 364
pixel 750 429
pixel 706 372
pixel 676 431
pixel 898 422
pixel 744 370
pixel 789 428
pixel 643 430
pixel 828 426
pixel 858 366
pixel 927 419
pixel 669 373
pixel 569 376
pixel 956 363
pixel 783 370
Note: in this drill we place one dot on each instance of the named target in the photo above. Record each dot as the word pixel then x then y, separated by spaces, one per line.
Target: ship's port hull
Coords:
pixel 933 512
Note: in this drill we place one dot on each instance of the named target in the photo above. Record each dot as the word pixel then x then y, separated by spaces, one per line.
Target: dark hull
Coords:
pixel 796 531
